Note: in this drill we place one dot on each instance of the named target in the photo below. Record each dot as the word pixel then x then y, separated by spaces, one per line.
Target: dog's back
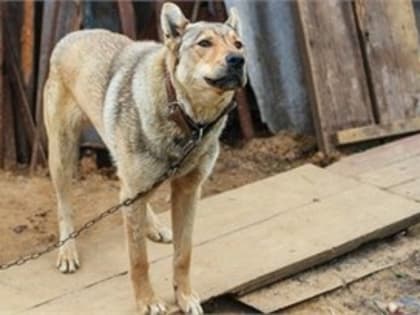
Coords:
pixel 81 63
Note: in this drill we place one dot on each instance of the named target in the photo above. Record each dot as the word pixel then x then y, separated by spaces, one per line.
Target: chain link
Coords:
pixel 73 235
pixel 189 147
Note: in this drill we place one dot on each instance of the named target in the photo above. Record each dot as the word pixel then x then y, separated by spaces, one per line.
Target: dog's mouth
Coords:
pixel 230 81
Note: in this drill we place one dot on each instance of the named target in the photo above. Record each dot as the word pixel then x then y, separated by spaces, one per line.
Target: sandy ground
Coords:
pixel 28 219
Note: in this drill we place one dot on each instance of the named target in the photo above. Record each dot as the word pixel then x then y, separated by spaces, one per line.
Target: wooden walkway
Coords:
pixel 244 238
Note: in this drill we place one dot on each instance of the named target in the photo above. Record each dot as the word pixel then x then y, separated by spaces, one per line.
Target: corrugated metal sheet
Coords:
pixel 269 30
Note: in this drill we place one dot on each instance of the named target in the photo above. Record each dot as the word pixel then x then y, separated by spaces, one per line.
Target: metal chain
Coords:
pixel 126 203
pixel 173 168
pixel 73 235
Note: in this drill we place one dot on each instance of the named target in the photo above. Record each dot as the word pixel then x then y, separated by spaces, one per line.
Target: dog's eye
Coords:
pixel 238 44
pixel 204 43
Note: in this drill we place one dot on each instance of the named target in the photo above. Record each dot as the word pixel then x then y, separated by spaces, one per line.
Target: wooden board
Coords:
pixel 281 246
pixel 372 132
pixel 27 49
pixel 335 275
pixel 1 88
pixel 9 139
pixel 390 40
pixel 59 19
pixel 339 94
pixel 240 256
pixel 378 157
pixel 299 187
pixel 394 174
pixel 127 18
pixel 409 189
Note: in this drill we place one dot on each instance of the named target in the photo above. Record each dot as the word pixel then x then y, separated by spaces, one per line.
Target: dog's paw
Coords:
pixel 189 303
pixel 152 307
pixel 159 234
pixel 156 231
pixel 68 259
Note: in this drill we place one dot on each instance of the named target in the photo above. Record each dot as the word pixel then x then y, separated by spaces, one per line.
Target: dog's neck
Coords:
pixel 201 106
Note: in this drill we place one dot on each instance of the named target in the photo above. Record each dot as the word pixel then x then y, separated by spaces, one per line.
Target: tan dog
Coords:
pixel 120 86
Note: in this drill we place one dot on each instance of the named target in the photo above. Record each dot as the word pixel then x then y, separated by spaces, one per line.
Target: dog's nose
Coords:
pixel 235 60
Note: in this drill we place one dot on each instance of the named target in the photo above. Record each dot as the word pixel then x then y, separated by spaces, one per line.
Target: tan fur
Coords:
pixel 119 86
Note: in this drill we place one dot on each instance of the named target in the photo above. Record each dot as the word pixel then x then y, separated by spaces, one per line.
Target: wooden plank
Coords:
pixel 13 23
pixel 27 40
pixel 390 40
pixel 49 19
pixel 127 18
pixel 409 189
pixel 339 94
pixel 244 114
pixel 69 18
pixel 24 107
pixel 299 187
pixel 378 157
pixel 394 174
pixel 373 132
pixel 281 246
pixel 14 299
pixel 336 275
pixel 2 83
pixel 158 4
pixel 59 18
pixel 9 139
pixel 196 8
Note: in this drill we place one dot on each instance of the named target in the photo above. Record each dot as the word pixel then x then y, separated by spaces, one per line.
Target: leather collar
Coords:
pixel 177 114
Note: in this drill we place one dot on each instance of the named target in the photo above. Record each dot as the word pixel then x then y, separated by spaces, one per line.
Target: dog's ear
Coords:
pixel 172 20
pixel 233 19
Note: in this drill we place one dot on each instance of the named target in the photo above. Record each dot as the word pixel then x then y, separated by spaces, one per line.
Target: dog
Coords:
pixel 127 90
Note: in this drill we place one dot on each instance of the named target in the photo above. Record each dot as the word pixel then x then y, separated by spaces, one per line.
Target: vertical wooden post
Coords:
pixel 21 103
pixel 196 8
pixel 49 21
pixel 389 39
pixel 27 39
pixel 9 130
pixel 336 78
pixel 69 18
pixel 158 9
pixel 59 18
pixel 244 114
pixel 127 18
pixel 1 89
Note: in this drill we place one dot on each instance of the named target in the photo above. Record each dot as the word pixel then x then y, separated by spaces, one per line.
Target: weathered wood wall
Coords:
pixel 364 74
pixel 336 77
pixel 390 40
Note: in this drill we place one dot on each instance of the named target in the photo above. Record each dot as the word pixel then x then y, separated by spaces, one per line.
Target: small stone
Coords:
pixel 20 228
pixel 393 308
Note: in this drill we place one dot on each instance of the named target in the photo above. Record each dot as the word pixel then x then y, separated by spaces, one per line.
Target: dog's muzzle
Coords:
pixel 234 76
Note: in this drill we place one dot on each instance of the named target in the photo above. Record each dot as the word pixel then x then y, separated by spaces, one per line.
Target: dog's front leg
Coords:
pixel 135 219
pixel 185 194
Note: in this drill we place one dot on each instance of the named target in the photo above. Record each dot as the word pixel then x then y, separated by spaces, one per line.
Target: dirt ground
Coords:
pixel 399 285
pixel 28 219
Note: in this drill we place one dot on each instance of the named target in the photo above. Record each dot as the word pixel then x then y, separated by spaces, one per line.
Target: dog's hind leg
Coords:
pixel 63 119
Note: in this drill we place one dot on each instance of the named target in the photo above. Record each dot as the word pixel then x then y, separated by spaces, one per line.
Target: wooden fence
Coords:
pixel 362 61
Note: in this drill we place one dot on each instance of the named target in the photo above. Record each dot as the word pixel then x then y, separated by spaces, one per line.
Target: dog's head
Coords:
pixel 207 55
